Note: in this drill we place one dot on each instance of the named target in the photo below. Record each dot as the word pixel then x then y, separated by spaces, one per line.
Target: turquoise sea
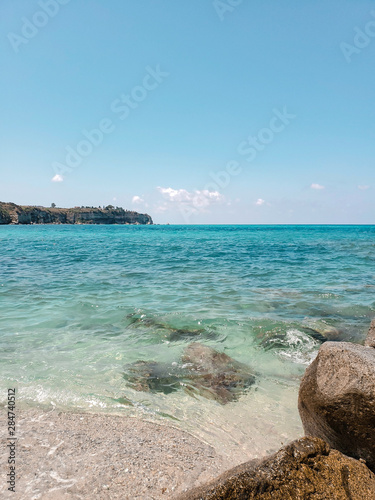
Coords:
pixel 80 304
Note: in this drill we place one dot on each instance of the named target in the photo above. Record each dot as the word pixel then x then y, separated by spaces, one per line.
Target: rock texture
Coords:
pixel 337 399
pixel 202 370
pixel 165 331
pixel 305 469
pixel 17 214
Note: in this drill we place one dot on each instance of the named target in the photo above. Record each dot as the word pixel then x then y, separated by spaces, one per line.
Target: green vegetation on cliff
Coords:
pixel 10 213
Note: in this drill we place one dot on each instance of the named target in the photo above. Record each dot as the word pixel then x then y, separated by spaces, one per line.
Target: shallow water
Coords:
pixel 78 304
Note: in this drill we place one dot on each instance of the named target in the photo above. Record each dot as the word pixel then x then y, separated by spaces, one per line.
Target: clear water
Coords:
pixel 265 295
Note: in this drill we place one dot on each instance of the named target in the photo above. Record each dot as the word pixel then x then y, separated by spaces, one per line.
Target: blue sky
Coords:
pixel 195 111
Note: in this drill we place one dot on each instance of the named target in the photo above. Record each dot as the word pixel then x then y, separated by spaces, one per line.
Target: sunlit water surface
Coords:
pixel 79 304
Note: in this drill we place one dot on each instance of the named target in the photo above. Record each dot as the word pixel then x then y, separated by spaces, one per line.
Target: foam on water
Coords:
pixel 79 304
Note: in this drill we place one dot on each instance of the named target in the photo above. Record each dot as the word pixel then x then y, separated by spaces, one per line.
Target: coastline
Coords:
pixel 12 214
pixel 87 309
pixel 96 456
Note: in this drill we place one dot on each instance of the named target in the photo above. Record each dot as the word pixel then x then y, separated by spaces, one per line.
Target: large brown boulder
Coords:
pixel 337 399
pixel 305 469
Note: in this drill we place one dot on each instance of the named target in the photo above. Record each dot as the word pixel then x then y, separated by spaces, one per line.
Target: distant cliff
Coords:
pixel 17 214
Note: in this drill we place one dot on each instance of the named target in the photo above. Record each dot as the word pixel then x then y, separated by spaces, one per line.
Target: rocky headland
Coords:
pixel 336 458
pixel 10 213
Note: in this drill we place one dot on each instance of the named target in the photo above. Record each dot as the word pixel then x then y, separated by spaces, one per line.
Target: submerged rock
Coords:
pixel 337 399
pixel 291 339
pixel 293 345
pixel 202 370
pixel 301 336
pixel 321 331
pixel 305 469
pixel 150 376
pixel 176 334
pixel 217 374
pixel 168 332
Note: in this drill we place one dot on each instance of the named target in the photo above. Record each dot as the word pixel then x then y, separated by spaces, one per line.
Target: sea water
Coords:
pixel 79 304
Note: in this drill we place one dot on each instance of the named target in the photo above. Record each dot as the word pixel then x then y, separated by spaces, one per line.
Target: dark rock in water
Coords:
pixel 291 339
pixel 204 371
pixel 370 340
pixel 184 333
pixel 168 332
pixel 315 334
pixel 304 469
pixel 287 336
pixel 321 330
pixel 274 341
pixel 150 376
pixel 293 344
pixel 216 374
pixel 337 399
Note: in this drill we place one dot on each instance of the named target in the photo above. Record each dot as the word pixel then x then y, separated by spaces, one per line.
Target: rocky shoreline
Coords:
pixel 336 459
pixel 81 455
pixel 10 213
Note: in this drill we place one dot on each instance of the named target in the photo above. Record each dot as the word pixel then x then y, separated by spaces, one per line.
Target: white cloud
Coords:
pixel 136 200
pixel 317 186
pixel 161 208
pixel 260 202
pixel 57 178
pixel 195 201
pixel 363 188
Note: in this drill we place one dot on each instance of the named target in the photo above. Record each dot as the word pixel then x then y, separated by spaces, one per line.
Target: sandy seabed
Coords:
pixel 96 456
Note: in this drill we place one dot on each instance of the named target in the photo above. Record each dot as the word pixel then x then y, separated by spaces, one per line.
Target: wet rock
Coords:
pixel 291 339
pixel 184 333
pixel 274 341
pixel 337 399
pixel 321 331
pixel 305 469
pixel 292 345
pixel 168 332
pixel 216 374
pixel 150 376
pixel 303 337
pixel 202 370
